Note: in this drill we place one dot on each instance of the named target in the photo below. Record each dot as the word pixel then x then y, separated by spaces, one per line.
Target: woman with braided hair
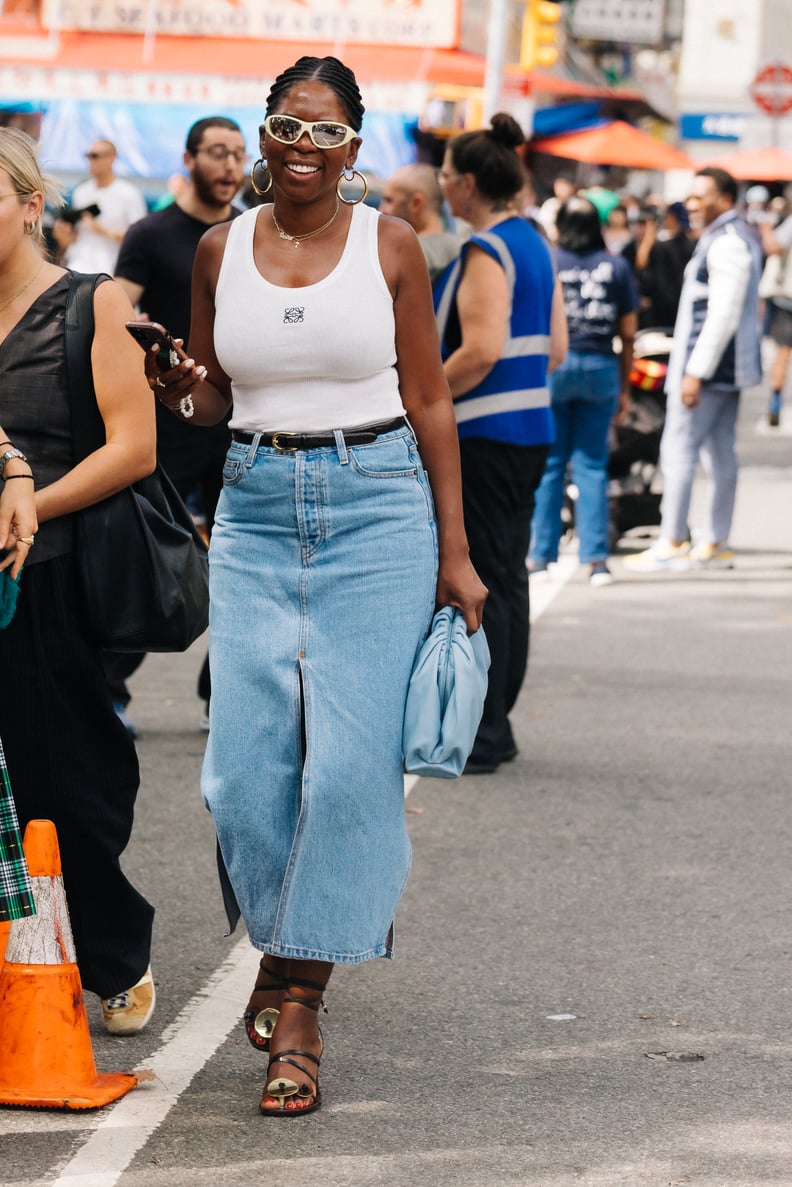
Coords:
pixel 338 531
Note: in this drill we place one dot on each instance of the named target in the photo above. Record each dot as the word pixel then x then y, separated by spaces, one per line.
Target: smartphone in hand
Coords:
pixel 149 334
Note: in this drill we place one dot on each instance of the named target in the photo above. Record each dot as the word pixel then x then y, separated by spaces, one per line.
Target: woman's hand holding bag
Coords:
pixel 445 698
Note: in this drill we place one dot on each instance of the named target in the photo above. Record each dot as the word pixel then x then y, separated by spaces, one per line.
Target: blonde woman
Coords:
pixel 69 757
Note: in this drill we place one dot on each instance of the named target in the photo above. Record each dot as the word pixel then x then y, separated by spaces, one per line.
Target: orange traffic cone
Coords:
pixel 46 1058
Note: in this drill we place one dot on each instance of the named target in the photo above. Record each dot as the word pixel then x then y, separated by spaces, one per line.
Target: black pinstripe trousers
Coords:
pixel 71 761
pixel 499 483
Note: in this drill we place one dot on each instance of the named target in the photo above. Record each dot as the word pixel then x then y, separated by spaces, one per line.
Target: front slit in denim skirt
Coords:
pixel 323 576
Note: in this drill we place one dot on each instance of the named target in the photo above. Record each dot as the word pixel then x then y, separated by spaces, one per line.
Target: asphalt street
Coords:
pixel 592 983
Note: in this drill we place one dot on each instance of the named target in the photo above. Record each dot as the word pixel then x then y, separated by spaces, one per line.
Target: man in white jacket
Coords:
pixel 716 353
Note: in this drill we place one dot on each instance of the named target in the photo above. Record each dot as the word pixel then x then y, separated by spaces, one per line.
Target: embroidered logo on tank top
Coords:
pixel 294 314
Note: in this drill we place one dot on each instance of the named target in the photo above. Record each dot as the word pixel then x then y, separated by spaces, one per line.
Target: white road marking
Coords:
pixel 204 1024
pixel 545 589
pixel 188 1044
pixel 784 429
pixel 409 783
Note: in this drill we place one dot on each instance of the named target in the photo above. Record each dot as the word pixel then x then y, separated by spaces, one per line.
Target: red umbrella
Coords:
pixel 756 164
pixel 614 143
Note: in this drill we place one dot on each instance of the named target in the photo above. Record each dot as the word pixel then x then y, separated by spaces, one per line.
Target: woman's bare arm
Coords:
pixel 426 398
pixel 483 303
pixel 199 374
pixel 127 409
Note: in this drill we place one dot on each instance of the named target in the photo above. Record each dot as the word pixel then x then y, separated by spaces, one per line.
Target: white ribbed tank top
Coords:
pixel 313 358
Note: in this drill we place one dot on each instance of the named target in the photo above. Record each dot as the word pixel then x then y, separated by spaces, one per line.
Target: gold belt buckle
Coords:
pixel 284 448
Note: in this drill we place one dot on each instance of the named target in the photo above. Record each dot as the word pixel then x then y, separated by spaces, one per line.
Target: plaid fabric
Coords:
pixel 16 893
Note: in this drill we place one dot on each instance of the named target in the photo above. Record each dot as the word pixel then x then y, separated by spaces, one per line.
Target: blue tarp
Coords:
pixel 149 138
pixel 567 117
pixel 23 108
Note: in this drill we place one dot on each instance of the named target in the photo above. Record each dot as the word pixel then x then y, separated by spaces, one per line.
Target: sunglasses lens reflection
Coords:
pixel 284 128
pixel 329 135
pixel 288 129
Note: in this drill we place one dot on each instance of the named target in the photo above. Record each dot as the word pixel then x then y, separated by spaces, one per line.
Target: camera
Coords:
pixel 70 215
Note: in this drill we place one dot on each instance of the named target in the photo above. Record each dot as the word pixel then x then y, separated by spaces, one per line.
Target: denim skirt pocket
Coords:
pixel 385 458
pixel 233 468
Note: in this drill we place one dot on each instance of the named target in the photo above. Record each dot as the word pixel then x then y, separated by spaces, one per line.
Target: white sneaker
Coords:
pixel 712 556
pixel 600 575
pixel 662 557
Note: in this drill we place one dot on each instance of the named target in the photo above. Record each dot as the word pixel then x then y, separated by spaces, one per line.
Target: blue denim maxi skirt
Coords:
pixel 323 578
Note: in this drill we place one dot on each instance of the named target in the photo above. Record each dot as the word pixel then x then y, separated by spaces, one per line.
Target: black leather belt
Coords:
pixel 289 442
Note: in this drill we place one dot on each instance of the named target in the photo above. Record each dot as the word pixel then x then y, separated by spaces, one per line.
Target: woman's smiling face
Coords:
pixel 302 171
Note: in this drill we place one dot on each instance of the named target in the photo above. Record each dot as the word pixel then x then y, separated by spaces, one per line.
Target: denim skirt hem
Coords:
pixel 333 957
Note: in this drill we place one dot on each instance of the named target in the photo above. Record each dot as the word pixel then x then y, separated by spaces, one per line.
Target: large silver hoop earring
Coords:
pixel 352 176
pixel 253 169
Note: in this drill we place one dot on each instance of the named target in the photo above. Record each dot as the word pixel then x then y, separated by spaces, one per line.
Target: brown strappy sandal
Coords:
pixel 259 1024
pixel 293 1098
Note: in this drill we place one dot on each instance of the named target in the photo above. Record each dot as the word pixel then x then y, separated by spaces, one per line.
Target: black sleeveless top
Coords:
pixel 34 405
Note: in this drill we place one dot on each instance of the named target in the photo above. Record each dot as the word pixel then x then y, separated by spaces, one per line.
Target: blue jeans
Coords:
pixel 323 578
pixel 585 392
pixel 709 431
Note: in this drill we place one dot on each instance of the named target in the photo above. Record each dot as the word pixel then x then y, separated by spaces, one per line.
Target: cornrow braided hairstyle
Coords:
pixel 330 71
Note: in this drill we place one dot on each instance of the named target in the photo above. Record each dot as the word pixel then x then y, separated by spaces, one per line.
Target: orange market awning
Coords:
pixel 237 58
pixel 755 164
pixel 253 59
pixel 614 143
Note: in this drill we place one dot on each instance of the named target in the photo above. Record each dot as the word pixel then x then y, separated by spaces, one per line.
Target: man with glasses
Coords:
pixel 155 270
pixel 97 237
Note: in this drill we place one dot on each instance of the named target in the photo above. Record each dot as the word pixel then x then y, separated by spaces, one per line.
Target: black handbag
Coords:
pixel 143 567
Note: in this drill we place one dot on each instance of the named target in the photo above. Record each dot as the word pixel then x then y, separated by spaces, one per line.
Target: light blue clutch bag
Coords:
pixel 445 698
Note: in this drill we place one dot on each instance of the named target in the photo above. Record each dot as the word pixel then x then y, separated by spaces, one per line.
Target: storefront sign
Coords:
pixel 631 21
pixel 376 22
pixel 46 82
pixel 720 125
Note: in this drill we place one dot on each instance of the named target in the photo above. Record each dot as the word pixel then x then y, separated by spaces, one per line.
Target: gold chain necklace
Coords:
pixel 298 239
pixel 19 292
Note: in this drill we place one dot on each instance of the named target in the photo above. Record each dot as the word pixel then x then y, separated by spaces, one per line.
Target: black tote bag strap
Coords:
pixel 88 432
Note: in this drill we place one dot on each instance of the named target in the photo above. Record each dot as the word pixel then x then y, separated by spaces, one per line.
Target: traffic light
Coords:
pixel 539 34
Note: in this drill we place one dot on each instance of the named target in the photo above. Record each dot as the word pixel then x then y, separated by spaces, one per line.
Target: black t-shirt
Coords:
pixel 158 253
pixel 598 290
pixel 663 279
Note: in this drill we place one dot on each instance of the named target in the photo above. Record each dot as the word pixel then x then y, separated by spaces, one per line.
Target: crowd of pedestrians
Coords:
pixel 371 420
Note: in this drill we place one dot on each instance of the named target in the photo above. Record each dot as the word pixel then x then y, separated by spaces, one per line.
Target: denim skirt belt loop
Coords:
pixel 323 572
